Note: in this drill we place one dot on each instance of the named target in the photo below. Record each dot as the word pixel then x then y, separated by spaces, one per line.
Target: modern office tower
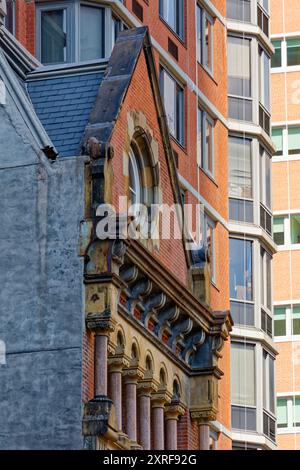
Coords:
pixel 122 344
pixel 285 74
pixel 250 150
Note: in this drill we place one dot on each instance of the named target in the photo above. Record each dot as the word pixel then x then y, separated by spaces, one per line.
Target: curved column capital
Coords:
pixel 133 374
pixel 100 323
pixel 147 387
pixel 174 410
pixel 118 362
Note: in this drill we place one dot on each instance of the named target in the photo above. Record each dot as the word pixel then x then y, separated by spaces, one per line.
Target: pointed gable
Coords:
pixel 128 101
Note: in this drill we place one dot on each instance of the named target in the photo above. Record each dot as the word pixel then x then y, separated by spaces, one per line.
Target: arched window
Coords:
pixel 143 176
pixel 135 186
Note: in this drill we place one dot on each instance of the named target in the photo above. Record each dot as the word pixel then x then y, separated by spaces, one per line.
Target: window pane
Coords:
pixel 295 229
pixel 240 171
pixel 268 281
pixel 169 94
pixel 294 140
pixel 53 36
pixel 239 10
pixel 271 385
pixel 264 4
pixel 293 51
pixel 297 411
pixel 279 321
pixel 278 230
pixel 264 66
pixel 243 374
pixel 265 178
pixel 276 57
pixel 243 418
pixel 239 76
pixel 240 269
pixel 199 33
pixel 91 33
pixel 209 146
pixel 241 210
pixel 172 12
pixel 242 313
pixel 200 137
pixel 268 180
pixel 9 19
pixel 296 320
pixel 277 138
pixel 239 108
pixel 208 44
pixel 282 418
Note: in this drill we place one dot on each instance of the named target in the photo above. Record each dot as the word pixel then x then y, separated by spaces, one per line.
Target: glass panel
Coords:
pixel 269 281
pixel 240 168
pixel 172 12
pixel 9 19
pixel 169 93
pixel 209 145
pixel 297 411
pixel 208 44
pixel 243 418
pixel 241 210
pixel 295 229
pixel 293 51
pixel 240 269
pixel 199 33
pixel 265 4
pixel 242 374
pixel 282 418
pixel 278 230
pixel 199 137
pixel 264 66
pixel 239 75
pixel 296 320
pixel 279 321
pixel 240 109
pixel 294 140
pixel 277 138
pixel 53 36
pixel 271 385
pixel 265 178
pixel 268 180
pixel 276 57
pixel 91 33
pixel 239 10
pixel 168 12
pixel 242 313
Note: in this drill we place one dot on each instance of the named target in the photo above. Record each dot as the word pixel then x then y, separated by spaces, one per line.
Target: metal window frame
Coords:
pixel 204 15
pixel 179 111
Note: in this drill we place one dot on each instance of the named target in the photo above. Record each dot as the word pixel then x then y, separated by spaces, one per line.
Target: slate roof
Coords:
pixel 63 105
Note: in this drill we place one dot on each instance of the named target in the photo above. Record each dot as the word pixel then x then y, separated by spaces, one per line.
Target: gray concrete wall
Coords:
pixel 41 293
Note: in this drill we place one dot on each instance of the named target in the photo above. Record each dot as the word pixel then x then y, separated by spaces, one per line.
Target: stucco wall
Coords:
pixel 41 302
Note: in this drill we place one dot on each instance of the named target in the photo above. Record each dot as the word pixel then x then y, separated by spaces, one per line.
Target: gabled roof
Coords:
pixel 63 105
pixel 114 86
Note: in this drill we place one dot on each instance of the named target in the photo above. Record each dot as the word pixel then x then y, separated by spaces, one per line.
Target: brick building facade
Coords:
pixel 106 91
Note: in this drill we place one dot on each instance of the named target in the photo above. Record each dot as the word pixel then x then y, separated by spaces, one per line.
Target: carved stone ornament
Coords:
pixel 100 322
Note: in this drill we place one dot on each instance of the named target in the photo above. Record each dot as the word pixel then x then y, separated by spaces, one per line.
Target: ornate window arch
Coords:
pixel 142 171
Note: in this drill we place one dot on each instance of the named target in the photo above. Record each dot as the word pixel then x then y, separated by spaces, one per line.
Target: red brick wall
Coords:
pixel 140 98
pixel 25 23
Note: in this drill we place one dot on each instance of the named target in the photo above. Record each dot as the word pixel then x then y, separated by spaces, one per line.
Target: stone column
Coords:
pixel 158 409
pixel 102 325
pixel 145 388
pixel 116 365
pixel 204 436
pixel 172 413
pixel 131 377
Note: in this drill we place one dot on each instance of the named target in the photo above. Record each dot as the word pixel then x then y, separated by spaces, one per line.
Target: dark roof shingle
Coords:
pixel 63 105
